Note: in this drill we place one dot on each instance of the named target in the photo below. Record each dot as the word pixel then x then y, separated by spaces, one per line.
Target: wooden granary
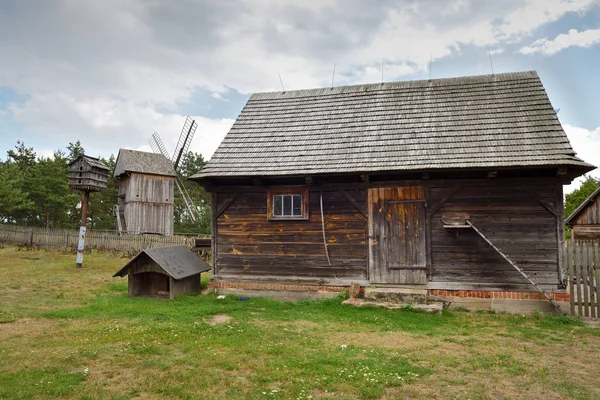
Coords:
pixel 585 220
pixel 164 272
pixel 146 192
pixel 88 174
pixel 317 189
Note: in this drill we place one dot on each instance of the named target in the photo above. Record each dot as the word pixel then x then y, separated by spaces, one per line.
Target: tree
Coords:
pixel 75 150
pixel 13 200
pixel 192 163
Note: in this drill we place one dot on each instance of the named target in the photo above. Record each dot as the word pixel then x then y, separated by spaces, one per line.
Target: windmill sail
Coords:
pixel 185 139
pixel 158 146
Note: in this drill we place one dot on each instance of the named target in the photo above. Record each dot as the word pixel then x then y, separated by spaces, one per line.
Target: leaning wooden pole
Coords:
pixel 82 229
pixel 515 266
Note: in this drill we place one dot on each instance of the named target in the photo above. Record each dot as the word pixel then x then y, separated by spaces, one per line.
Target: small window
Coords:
pixel 287 204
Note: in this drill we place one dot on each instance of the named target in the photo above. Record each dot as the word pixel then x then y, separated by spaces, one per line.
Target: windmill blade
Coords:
pixel 186 198
pixel 185 139
pixel 157 145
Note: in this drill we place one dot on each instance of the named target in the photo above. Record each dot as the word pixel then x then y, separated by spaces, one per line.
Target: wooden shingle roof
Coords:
pixel 142 162
pixel 177 261
pixel 503 120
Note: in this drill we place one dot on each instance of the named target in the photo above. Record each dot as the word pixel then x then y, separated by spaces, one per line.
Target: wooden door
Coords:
pixel 397 239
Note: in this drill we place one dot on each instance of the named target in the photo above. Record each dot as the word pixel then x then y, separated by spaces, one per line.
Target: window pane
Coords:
pixel 297 205
pixel 287 205
pixel 277 205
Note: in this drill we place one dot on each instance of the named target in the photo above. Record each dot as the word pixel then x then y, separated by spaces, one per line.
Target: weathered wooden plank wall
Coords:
pixel 248 245
pixel 148 203
pixel 509 216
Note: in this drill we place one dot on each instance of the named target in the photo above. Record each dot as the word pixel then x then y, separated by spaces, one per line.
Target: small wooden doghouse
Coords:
pixel 146 192
pixel 164 272
pixel 88 174
pixel 585 220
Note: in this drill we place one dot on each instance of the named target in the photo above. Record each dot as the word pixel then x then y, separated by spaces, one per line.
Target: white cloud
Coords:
pixel 574 37
pixel 112 72
pixel 586 144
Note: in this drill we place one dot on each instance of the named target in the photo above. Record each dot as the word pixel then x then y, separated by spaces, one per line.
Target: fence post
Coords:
pixel 66 241
pixel 30 239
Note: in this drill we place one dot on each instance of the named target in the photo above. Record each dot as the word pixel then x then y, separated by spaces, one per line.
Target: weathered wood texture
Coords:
pixel 583 265
pixel 87 173
pixel 516 222
pixel 191 284
pixel 585 223
pixel 248 245
pixel 397 240
pixel 146 202
pixel 149 284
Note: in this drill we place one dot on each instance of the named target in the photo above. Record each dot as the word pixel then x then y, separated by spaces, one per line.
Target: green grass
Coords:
pixel 76 334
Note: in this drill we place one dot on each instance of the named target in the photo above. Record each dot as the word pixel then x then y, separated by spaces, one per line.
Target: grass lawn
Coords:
pixel 67 333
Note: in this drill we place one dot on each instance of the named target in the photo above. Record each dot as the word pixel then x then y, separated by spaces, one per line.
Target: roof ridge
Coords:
pixel 505 76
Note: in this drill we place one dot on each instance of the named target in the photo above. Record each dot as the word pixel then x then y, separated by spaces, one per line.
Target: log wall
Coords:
pixel 248 245
pixel 517 223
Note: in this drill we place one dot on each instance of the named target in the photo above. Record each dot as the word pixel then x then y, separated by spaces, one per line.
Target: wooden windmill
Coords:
pixel 183 145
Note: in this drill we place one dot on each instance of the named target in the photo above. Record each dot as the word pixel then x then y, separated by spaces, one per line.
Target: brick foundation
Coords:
pixel 479 294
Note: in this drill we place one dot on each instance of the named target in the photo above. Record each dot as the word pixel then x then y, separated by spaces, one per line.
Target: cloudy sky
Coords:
pixel 112 72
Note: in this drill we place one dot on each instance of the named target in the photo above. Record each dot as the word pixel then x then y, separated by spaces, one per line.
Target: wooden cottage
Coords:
pixel 316 189
pixel 88 174
pixel 164 272
pixel 146 191
pixel 585 220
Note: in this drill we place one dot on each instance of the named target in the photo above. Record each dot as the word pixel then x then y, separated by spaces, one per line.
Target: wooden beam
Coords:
pixel 353 202
pixel 225 206
pixel 560 237
pixel 213 233
pixel 441 203
pixel 539 199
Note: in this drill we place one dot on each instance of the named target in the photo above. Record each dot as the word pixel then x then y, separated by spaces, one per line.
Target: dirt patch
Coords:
pixel 219 319
pixel 26 326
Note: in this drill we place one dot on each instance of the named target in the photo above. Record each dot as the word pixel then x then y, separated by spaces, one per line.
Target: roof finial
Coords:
pixel 382 71
pixel 491 64
pixel 430 60
pixel 333 76
pixel 280 81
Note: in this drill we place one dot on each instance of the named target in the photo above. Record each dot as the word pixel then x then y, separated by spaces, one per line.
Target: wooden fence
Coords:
pixel 100 240
pixel 582 260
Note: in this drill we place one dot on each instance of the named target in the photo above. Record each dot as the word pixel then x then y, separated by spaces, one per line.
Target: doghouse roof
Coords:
pixel 177 261
pixel 490 121
pixel 142 162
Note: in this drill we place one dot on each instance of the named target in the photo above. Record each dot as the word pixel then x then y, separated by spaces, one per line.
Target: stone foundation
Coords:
pixel 510 302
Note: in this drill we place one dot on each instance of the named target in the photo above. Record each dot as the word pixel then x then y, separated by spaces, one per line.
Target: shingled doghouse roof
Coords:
pixel 490 121
pixel 142 162
pixel 177 261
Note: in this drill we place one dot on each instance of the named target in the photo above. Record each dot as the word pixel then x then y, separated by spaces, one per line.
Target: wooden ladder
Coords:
pixel 515 266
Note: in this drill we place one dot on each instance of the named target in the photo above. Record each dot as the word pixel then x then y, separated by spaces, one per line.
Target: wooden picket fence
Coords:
pixel 582 260
pixel 99 240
